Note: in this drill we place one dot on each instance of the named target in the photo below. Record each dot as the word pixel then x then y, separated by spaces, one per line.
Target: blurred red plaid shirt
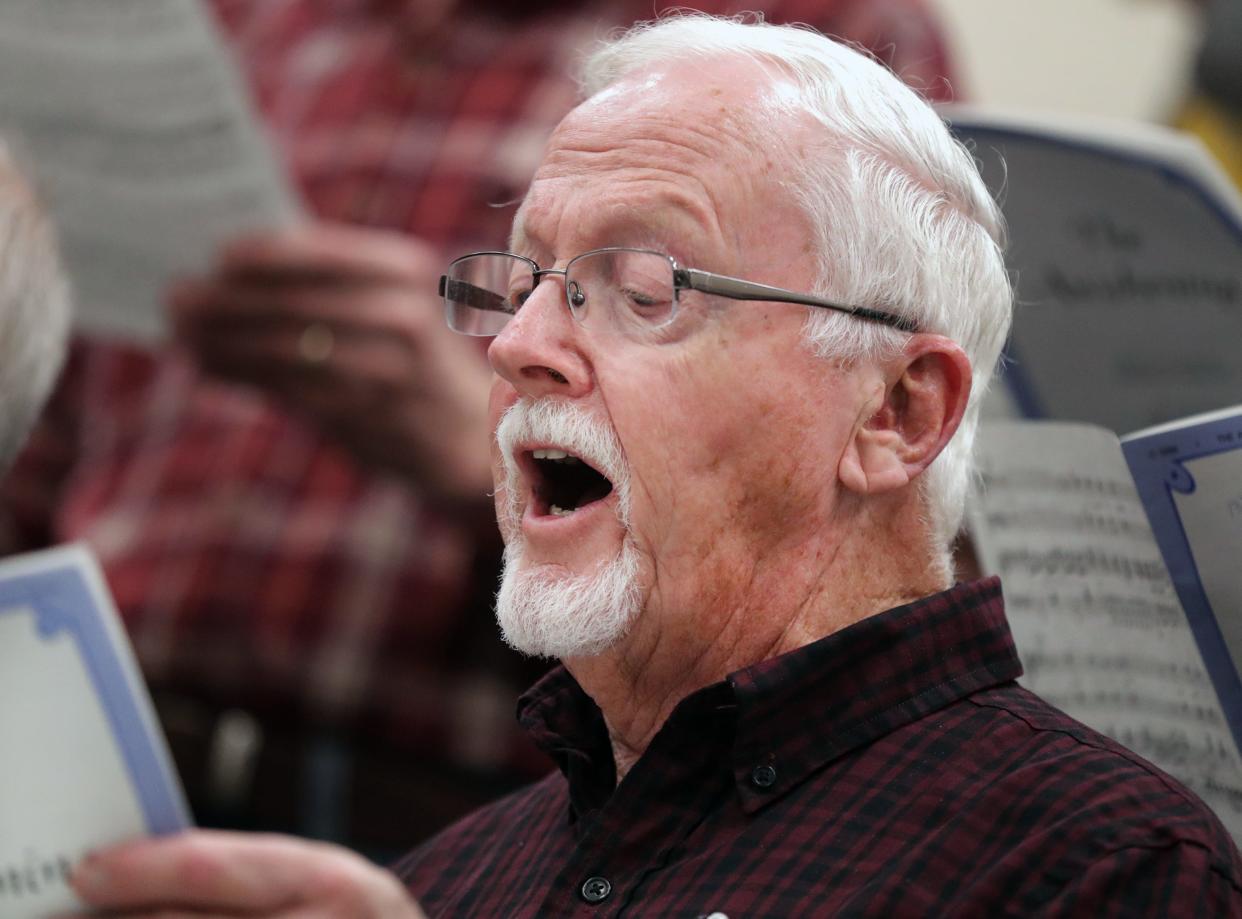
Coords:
pixel 254 564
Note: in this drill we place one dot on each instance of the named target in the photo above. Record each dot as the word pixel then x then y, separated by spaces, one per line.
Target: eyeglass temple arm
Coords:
pixel 469 294
pixel 737 289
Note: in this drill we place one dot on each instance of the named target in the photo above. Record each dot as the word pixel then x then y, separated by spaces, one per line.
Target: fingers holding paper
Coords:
pixel 213 873
pixel 343 325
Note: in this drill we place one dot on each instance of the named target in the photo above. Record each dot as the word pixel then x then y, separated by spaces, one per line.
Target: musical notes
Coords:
pixel 1082 563
pixel 1115 524
pixel 1094 614
pixel 1040 480
pixel 1121 609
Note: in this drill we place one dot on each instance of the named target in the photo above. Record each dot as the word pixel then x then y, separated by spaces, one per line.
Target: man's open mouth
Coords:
pixel 563 483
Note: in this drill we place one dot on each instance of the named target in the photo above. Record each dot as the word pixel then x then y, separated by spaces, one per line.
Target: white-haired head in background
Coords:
pixel 34 308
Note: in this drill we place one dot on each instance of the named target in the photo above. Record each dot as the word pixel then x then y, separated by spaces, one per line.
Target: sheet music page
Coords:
pixel 1097 623
pixel 136 128
pixel 1126 248
pixel 82 759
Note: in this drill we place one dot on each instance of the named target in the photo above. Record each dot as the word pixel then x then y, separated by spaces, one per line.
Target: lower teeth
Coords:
pixel 560 511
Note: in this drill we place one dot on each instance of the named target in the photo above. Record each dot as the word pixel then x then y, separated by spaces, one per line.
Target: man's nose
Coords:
pixel 539 351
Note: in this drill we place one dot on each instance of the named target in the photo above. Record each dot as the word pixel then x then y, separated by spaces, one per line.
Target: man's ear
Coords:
pixel 926 390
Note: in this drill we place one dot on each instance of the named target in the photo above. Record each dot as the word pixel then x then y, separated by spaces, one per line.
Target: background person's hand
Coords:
pixel 344 326
pixel 211 873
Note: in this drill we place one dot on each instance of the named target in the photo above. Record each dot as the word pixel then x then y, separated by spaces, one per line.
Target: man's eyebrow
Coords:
pixel 669 224
pixel 664 227
pixel 522 242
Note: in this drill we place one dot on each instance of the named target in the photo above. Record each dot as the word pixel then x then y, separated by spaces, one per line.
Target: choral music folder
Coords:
pixel 82 761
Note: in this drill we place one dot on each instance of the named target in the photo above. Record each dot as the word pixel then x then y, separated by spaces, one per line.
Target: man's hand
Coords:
pixel 210 873
pixel 345 327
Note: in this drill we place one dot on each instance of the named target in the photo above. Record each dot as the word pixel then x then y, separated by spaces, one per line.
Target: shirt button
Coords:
pixel 596 889
pixel 763 776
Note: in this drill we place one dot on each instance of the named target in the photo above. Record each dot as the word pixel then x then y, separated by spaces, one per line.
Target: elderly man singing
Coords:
pixel 755 294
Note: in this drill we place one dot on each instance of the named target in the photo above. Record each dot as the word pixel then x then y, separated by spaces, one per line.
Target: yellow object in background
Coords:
pixel 1220 128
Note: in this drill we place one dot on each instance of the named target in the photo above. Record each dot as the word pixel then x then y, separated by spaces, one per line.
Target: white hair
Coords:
pixel 34 308
pixel 902 219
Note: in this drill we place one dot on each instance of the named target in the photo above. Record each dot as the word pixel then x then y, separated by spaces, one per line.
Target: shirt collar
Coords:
pixel 800 711
pixel 797 712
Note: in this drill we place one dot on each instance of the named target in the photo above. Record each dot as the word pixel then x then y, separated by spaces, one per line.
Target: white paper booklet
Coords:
pixel 82 763
pixel 1137 635
pixel 136 127
pixel 1126 251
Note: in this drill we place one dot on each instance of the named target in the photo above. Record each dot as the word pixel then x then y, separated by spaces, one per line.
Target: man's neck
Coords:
pixel 670 655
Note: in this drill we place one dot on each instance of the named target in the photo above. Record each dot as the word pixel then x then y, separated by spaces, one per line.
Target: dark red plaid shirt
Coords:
pixel 891 769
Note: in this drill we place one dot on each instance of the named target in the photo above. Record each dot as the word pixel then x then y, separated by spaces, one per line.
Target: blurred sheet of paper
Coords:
pixel 1126 251
pixel 1096 620
pixel 82 761
pixel 136 126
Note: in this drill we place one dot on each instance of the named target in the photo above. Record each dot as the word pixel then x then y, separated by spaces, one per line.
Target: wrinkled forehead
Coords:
pixel 731 94
pixel 697 142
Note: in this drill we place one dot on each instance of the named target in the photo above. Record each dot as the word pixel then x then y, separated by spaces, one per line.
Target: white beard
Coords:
pixel 544 611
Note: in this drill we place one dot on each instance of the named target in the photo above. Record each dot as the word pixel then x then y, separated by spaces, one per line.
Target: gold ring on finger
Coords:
pixel 316 344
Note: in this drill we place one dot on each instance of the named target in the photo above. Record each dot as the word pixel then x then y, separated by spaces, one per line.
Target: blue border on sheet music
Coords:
pixel 62 602
pixel 1015 375
pixel 1156 463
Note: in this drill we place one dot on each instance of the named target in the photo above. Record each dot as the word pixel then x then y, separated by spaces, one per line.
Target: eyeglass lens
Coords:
pixel 629 289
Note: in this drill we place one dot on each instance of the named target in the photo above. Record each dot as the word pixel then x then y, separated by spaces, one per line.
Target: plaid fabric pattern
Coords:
pixel 891 769
pixel 253 562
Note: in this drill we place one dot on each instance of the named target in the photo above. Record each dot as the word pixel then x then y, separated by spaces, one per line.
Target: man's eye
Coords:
pixel 640 299
pixel 518 297
pixel 650 307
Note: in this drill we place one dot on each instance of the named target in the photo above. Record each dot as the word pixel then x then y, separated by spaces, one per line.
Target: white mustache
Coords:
pixel 568 427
